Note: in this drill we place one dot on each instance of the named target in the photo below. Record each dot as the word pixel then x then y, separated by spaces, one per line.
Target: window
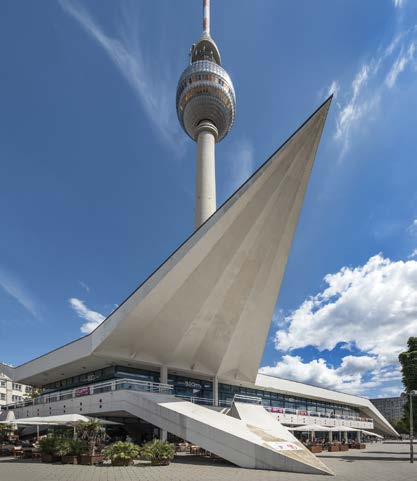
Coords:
pixel 2 383
pixel 16 398
pixel 2 397
pixel 17 387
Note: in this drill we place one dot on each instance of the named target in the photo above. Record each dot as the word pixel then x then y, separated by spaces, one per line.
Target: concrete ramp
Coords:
pixel 246 444
pixel 274 434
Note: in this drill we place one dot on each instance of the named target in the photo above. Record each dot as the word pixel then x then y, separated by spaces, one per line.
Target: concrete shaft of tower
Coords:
pixel 205 181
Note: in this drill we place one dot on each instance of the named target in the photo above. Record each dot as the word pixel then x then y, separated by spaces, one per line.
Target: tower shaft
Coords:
pixel 205 183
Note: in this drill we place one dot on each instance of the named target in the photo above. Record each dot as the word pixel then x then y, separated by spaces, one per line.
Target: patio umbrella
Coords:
pixel 370 433
pixel 311 428
pixel 344 429
pixel 61 420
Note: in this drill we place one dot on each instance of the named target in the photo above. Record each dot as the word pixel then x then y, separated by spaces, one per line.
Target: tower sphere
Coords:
pixel 205 91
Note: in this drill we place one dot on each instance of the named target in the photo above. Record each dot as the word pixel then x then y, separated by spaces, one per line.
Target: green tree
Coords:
pixel 408 361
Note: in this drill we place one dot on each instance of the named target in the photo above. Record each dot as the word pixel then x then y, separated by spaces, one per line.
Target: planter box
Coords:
pixel 122 462
pixel 344 447
pixel 86 459
pixel 70 460
pixel 333 448
pixel 162 462
pixel 315 449
pixel 50 458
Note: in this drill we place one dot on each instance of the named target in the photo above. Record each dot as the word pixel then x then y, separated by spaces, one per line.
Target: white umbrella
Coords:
pixel 343 429
pixel 311 428
pixel 370 433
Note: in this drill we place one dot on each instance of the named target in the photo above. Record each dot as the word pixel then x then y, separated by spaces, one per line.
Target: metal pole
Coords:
pixel 411 429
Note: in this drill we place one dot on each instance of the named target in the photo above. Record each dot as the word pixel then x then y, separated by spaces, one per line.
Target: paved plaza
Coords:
pixel 381 462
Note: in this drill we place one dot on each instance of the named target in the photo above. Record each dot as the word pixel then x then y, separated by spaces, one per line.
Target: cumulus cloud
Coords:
pixel 346 378
pixel 413 255
pixel 399 3
pixel 93 318
pixel 147 76
pixel 373 306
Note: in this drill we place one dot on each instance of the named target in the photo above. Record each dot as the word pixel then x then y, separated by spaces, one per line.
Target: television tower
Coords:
pixel 206 105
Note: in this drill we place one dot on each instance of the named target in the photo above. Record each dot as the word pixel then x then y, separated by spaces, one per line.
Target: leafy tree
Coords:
pixel 408 361
pixel 5 431
pixel 33 393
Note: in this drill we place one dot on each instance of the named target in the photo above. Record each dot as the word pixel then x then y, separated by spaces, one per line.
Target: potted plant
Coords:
pixel 76 447
pixel 159 453
pixel 121 453
pixel 62 448
pixel 47 447
pixel 93 433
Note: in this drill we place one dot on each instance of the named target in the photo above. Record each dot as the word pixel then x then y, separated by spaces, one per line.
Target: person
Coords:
pixel 128 439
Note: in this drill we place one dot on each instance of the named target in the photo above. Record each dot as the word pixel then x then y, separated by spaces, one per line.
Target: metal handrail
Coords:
pixel 96 388
pixel 243 397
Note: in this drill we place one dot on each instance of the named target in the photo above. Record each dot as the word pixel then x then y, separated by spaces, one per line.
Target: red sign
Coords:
pixel 82 391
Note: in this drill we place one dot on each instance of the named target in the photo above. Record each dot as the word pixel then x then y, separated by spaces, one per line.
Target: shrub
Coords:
pixel 48 445
pixel 77 447
pixel 158 452
pixel 121 452
pixel 62 447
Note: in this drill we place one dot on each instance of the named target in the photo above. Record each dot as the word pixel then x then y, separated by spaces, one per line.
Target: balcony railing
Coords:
pixel 155 387
pixel 113 385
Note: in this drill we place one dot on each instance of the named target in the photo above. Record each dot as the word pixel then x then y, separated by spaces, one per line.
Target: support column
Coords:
pixel 330 437
pixel 358 437
pixel 215 391
pixel 205 184
pixel 163 379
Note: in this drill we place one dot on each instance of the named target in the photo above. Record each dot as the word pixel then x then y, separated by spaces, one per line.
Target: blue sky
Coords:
pixel 97 178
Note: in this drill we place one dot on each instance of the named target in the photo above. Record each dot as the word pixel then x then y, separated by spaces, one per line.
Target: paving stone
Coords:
pixel 379 462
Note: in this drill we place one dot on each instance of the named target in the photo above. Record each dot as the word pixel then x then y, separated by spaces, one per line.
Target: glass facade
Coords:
pixel 201 391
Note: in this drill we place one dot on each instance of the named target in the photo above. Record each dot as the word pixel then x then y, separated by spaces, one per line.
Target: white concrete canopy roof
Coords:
pixel 209 306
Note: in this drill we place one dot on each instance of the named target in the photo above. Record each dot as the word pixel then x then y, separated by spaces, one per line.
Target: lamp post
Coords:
pixel 411 394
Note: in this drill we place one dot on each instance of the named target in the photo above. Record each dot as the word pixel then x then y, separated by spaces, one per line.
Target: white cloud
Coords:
pixel 347 378
pixel 373 306
pixel 357 106
pixel 84 286
pixel 412 228
pixel 93 318
pixel 413 255
pixel 333 89
pixel 399 65
pixel 15 289
pixel 399 3
pixel 368 87
pixel 147 76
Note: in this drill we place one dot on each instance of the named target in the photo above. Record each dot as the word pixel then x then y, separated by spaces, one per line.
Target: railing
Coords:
pixel 113 385
pixel 297 412
pixel 247 399
pixel 147 386
pixel 196 399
